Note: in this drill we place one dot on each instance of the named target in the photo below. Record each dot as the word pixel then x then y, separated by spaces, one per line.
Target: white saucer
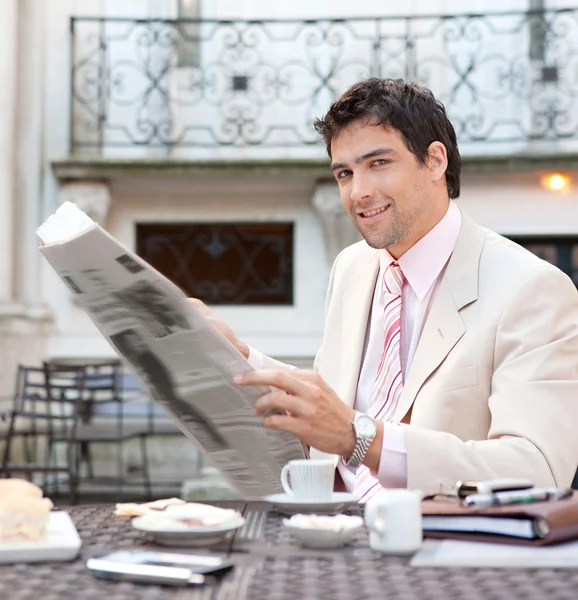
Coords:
pixel 287 504
pixel 201 536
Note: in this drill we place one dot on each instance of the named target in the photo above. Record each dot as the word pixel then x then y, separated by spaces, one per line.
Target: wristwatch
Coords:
pixel 365 431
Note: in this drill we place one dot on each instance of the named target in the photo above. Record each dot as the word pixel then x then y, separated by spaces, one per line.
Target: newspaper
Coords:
pixel 181 359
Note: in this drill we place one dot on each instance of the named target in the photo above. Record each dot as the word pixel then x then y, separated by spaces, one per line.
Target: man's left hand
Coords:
pixel 313 411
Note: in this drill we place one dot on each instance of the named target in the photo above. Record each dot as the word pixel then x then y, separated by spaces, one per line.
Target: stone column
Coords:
pixel 8 74
pixel 28 157
pixel 24 320
pixel 338 230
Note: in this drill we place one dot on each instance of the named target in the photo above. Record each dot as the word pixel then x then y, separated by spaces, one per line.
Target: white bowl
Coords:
pixel 322 531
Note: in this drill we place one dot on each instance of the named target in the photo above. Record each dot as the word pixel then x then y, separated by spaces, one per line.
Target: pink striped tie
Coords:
pixel 388 382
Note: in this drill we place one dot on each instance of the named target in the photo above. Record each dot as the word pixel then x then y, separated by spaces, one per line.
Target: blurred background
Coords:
pixel 184 127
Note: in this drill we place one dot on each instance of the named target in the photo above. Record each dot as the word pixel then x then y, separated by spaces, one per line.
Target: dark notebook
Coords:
pixel 533 523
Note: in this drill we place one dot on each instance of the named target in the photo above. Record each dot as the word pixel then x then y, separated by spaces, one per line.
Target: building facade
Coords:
pixel 184 127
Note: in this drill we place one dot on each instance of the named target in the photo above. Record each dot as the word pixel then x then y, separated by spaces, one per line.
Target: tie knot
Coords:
pixel 393 280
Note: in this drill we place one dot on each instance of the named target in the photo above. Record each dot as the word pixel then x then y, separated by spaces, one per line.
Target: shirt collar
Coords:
pixel 422 264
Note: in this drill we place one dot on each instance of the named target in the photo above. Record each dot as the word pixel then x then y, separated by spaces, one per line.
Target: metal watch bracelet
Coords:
pixel 361 447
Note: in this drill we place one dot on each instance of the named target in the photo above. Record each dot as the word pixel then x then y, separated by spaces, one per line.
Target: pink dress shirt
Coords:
pixel 422 266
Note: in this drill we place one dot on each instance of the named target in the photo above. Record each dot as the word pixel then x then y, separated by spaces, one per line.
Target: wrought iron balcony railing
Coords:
pixel 508 79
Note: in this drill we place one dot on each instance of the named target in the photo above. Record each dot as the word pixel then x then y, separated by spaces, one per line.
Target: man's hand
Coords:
pixel 220 326
pixel 314 412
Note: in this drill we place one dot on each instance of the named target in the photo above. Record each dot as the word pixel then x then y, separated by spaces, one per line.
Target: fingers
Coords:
pixel 311 377
pixel 211 318
pixel 283 379
pixel 201 307
pixel 284 423
pixel 284 402
pixel 220 326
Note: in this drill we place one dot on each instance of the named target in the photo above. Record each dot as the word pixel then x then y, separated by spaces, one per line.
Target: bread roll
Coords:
pixel 23 519
pixel 131 509
pixel 20 488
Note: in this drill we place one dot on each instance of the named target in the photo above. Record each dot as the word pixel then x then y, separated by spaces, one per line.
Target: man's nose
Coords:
pixel 361 188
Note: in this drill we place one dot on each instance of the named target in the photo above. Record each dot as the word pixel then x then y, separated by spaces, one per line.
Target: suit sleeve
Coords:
pixel 533 400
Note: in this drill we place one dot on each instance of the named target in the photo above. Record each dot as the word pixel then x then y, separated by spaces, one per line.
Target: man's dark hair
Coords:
pixel 407 107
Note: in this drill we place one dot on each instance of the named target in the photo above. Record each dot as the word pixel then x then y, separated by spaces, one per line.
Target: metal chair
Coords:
pixel 101 417
pixel 40 413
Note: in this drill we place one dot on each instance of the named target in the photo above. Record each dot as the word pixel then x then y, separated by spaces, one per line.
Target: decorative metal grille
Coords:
pixel 561 251
pixel 223 263
pixel 509 77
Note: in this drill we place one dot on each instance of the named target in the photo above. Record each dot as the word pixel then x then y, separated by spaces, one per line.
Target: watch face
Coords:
pixel 365 426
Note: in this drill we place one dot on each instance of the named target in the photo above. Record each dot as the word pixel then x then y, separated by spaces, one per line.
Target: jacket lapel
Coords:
pixel 444 326
pixel 357 303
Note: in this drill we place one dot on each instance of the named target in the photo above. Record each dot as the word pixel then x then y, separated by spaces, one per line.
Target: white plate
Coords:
pixel 63 543
pixel 287 504
pixel 201 536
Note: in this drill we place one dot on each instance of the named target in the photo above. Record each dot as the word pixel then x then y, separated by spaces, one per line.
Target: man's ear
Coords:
pixel 437 161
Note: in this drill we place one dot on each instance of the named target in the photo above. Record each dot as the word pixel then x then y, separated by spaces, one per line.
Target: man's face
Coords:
pixel 382 186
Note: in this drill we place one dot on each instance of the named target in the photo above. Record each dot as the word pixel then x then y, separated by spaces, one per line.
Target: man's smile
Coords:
pixel 368 214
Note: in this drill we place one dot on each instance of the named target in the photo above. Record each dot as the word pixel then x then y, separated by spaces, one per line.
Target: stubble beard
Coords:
pixel 401 223
pixel 382 238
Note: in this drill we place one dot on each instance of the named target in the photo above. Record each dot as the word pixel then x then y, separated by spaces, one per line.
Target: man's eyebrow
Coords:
pixel 363 158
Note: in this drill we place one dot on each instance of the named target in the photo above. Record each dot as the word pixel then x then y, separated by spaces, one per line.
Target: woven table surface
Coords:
pixel 269 564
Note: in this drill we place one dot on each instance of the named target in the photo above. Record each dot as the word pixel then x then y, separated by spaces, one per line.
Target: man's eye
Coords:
pixel 343 174
pixel 380 162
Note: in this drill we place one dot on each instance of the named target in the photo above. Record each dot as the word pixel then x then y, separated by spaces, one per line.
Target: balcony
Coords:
pixel 188 90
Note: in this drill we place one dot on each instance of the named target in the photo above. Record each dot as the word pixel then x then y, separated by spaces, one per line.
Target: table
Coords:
pixel 272 566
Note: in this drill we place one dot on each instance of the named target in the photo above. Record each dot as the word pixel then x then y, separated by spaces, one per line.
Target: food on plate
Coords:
pixel 19 487
pixel 165 503
pixel 189 516
pixel 23 518
pixel 190 522
pixel 324 531
pixel 326 522
pixel 131 509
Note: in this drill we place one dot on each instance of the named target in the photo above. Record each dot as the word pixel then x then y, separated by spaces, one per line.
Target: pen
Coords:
pixel 516 497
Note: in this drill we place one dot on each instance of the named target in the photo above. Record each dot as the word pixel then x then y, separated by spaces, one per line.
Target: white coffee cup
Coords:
pixel 311 480
pixel 393 517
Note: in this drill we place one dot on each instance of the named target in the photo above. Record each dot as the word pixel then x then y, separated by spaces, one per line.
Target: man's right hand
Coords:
pixel 220 326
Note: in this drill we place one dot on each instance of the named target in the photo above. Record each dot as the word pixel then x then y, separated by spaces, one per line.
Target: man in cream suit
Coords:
pixel 449 352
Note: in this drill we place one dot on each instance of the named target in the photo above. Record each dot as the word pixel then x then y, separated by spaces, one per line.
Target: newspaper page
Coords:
pixel 183 362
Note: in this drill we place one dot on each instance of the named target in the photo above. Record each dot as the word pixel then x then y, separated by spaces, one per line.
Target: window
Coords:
pixel 560 251
pixel 223 263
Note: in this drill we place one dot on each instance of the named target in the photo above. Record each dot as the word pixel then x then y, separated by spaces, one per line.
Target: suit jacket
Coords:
pixel 493 387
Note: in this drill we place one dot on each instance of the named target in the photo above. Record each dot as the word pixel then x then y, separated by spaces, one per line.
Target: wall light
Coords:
pixel 556 182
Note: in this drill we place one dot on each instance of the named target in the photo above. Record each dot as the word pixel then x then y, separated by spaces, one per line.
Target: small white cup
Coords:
pixel 393 518
pixel 311 480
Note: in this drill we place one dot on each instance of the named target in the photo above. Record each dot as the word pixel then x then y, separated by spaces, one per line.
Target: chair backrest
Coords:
pixel 98 383
pixel 52 396
pixel 104 381
pixel 93 377
pixel 29 390
pixel 40 408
